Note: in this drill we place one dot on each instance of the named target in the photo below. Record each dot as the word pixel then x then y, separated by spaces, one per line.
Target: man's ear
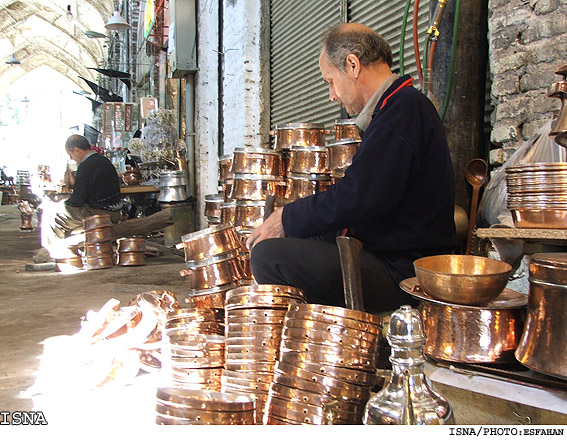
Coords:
pixel 353 65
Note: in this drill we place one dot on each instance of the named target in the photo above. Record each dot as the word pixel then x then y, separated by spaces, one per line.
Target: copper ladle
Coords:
pixel 476 173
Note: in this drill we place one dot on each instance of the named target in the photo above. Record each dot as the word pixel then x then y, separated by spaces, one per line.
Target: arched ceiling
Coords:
pixel 39 33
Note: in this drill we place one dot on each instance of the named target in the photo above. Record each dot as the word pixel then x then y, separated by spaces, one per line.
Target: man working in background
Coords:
pixel 96 190
pixel 397 197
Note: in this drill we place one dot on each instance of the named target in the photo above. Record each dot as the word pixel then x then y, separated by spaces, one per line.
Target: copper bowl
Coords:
pixel 308 160
pixel 209 242
pixel 97 221
pixel 257 161
pixel 216 271
pixel 287 135
pixel 464 280
pixel 303 185
pixel 97 249
pixel 132 258
pixel 131 245
pixel 341 153
pixel 256 187
pixel 93 263
pixel 225 164
pixel 101 234
pixel 346 128
pixel 249 214
pixel 69 265
pixel 132 177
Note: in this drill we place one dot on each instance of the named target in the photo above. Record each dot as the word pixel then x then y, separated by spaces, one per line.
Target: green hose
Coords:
pixel 403 36
pixel 452 65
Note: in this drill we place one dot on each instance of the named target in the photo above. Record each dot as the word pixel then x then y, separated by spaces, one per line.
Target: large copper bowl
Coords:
pixel 464 280
pixel 257 161
pixel 209 242
pixel 256 187
pixel 287 135
pixel 308 160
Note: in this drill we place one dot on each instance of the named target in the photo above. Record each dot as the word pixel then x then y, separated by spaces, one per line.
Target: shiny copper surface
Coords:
pixel 288 135
pixel 303 185
pixel 131 245
pixel 462 279
pixel 543 346
pixel 341 153
pixel 471 334
pixel 225 164
pixel 134 258
pixel 209 242
pixel 256 187
pixel 213 205
pixel 346 128
pixel 97 249
pixel 249 214
pixel 216 273
pixel 99 234
pixel 257 161
pixel 308 160
pixel 97 221
pixel 100 262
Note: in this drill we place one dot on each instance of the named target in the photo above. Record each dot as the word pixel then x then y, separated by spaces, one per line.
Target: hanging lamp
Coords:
pixel 117 23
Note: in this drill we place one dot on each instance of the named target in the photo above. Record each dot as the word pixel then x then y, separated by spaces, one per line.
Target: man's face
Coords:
pixel 74 154
pixel 343 87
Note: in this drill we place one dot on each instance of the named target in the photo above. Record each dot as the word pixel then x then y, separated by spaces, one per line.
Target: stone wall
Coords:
pixel 527 43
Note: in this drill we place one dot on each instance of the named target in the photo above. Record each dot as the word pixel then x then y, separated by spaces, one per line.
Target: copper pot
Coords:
pixel 287 135
pixel 102 234
pixel 213 272
pixel 132 258
pixel 543 346
pixel 245 262
pixel 132 177
pixel 131 244
pixel 209 242
pixel 308 160
pixel 97 221
pixel 341 153
pixel 213 205
pixel 209 298
pixel 256 187
pixel 228 212
pixel 303 185
pixel 227 190
pixel 97 249
pixel 249 214
pixel 69 265
pixel 453 330
pixel 256 161
pixel 93 263
pixel 346 128
pixel 337 175
pixel 225 164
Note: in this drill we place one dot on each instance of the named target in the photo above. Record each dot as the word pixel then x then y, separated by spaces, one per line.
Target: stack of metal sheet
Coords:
pixel 326 367
pixel 178 406
pixel 193 348
pixel 160 303
pixel 254 318
pixel 537 194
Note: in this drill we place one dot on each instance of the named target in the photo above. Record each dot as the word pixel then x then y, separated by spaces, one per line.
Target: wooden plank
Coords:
pixel 137 189
pixel 155 222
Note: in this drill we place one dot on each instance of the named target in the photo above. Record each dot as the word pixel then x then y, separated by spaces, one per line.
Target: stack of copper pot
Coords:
pixel 342 149
pixel 131 251
pixel 179 406
pixel 254 320
pixel 98 242
pixel 193 348
pixel 226 181
pixel 213 262
pixel 302 146
pixel 326 367
pixel 160 303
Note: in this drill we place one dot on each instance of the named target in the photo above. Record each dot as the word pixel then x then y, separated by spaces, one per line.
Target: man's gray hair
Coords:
pixel 77 141
pixel 366 44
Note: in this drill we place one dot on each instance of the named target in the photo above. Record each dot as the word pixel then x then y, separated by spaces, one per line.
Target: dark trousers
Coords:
pixel 313 265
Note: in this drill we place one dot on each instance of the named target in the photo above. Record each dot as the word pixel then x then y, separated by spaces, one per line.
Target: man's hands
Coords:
pixel 271 228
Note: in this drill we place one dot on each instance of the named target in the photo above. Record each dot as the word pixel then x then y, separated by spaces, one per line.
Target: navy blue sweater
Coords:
pixel 398 196
pixel 96 184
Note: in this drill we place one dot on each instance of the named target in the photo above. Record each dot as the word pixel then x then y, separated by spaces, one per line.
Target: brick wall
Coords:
pixel 527 43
